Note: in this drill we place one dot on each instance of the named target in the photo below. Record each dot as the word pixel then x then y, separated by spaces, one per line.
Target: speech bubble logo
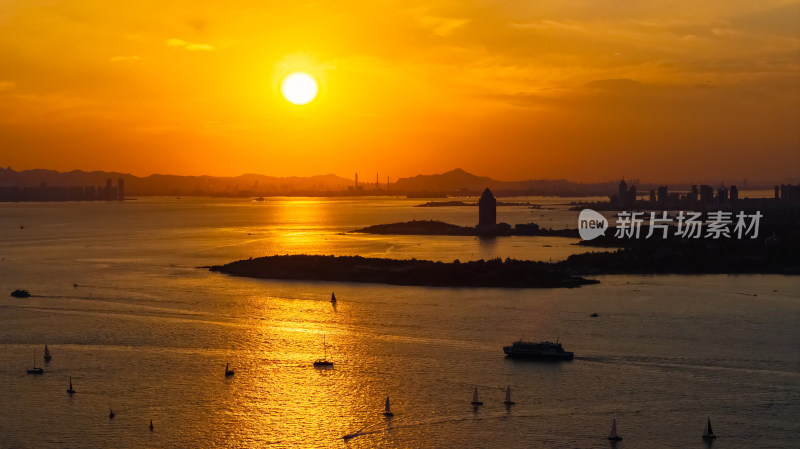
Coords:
pixel 591 224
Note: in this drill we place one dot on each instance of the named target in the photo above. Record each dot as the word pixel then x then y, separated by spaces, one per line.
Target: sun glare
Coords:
pixel 299 88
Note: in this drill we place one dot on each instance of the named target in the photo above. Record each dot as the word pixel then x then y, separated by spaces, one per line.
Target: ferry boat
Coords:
pixel 546 350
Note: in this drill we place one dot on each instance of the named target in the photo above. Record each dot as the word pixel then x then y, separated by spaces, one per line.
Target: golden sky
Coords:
pixel 586 90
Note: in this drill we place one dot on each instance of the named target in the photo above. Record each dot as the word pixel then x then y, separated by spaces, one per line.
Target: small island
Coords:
pixel 457 203
pixel 493 273
pixel 435 227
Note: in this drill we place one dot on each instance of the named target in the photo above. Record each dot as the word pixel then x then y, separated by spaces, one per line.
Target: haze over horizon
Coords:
pixel 664 91
pixel 448 176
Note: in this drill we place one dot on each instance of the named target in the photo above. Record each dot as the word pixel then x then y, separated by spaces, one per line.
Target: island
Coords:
pixel 436 227
pixel 457 203
pixel 492 273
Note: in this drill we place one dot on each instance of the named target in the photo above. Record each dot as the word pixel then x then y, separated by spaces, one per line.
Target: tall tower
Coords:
pixel 356 181
pixel 121 189
pixel 487 212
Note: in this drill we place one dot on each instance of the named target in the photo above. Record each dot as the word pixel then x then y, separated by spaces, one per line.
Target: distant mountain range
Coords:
pixel 243 185
pixel 460 182
pixel 454 182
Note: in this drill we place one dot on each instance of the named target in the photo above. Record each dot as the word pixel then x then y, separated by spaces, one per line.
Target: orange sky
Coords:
pixel 655 89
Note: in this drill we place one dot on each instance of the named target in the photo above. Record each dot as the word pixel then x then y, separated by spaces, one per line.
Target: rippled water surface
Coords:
pixel 148 333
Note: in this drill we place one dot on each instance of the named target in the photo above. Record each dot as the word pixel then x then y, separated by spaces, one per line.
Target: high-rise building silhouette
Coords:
pixel 722 196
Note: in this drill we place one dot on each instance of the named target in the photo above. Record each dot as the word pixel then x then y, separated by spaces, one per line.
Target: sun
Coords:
pixel 299 88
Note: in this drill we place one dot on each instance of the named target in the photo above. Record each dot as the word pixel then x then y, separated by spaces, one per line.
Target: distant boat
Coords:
pixel 475 400
pixel 35 370
pixel 353 435
pixel 594 315
pixel 545 350
pixel 323 361
pixel 19 293
pixel 333 297
pixel 229 372
pixel 387 410
pixel 47 355
pixel 613 435
pixel 151 425
pixel 508 400
pixel 708 434
pixel 111 413
pixel 70 390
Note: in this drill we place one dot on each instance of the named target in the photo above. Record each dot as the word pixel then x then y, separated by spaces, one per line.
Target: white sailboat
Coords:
pixel 508 400
pixel 475 400
pixel 70 390
pixel 613 435
pixel 387 409
pixel 708 434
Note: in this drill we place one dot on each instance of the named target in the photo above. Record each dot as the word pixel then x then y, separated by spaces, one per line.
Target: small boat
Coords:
pixel 613 435
pixel 47 355
pixel 333 297
pixel 508 400
pixel 387 409
pixel 475 400
pixel 708 434
pixel 229 372
pixel 545 350
pixel 353 435
pixel 323 362
pixel 111 413
pixel 19 293
pixel 594 315
pixel 70 390
pixel 151 425
pixel 35 370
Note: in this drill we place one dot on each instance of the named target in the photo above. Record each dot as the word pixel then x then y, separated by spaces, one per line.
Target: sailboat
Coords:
pixel 35 370
pixel 111 413
pixel 47 355
pixel 613 435
pixel 508 400
pixel 333 297
pixel 70 390
pixel 228 372
pixel 323 361
pixel 387 409
pixel 475 400
pixel 151 425
pixel 708 434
